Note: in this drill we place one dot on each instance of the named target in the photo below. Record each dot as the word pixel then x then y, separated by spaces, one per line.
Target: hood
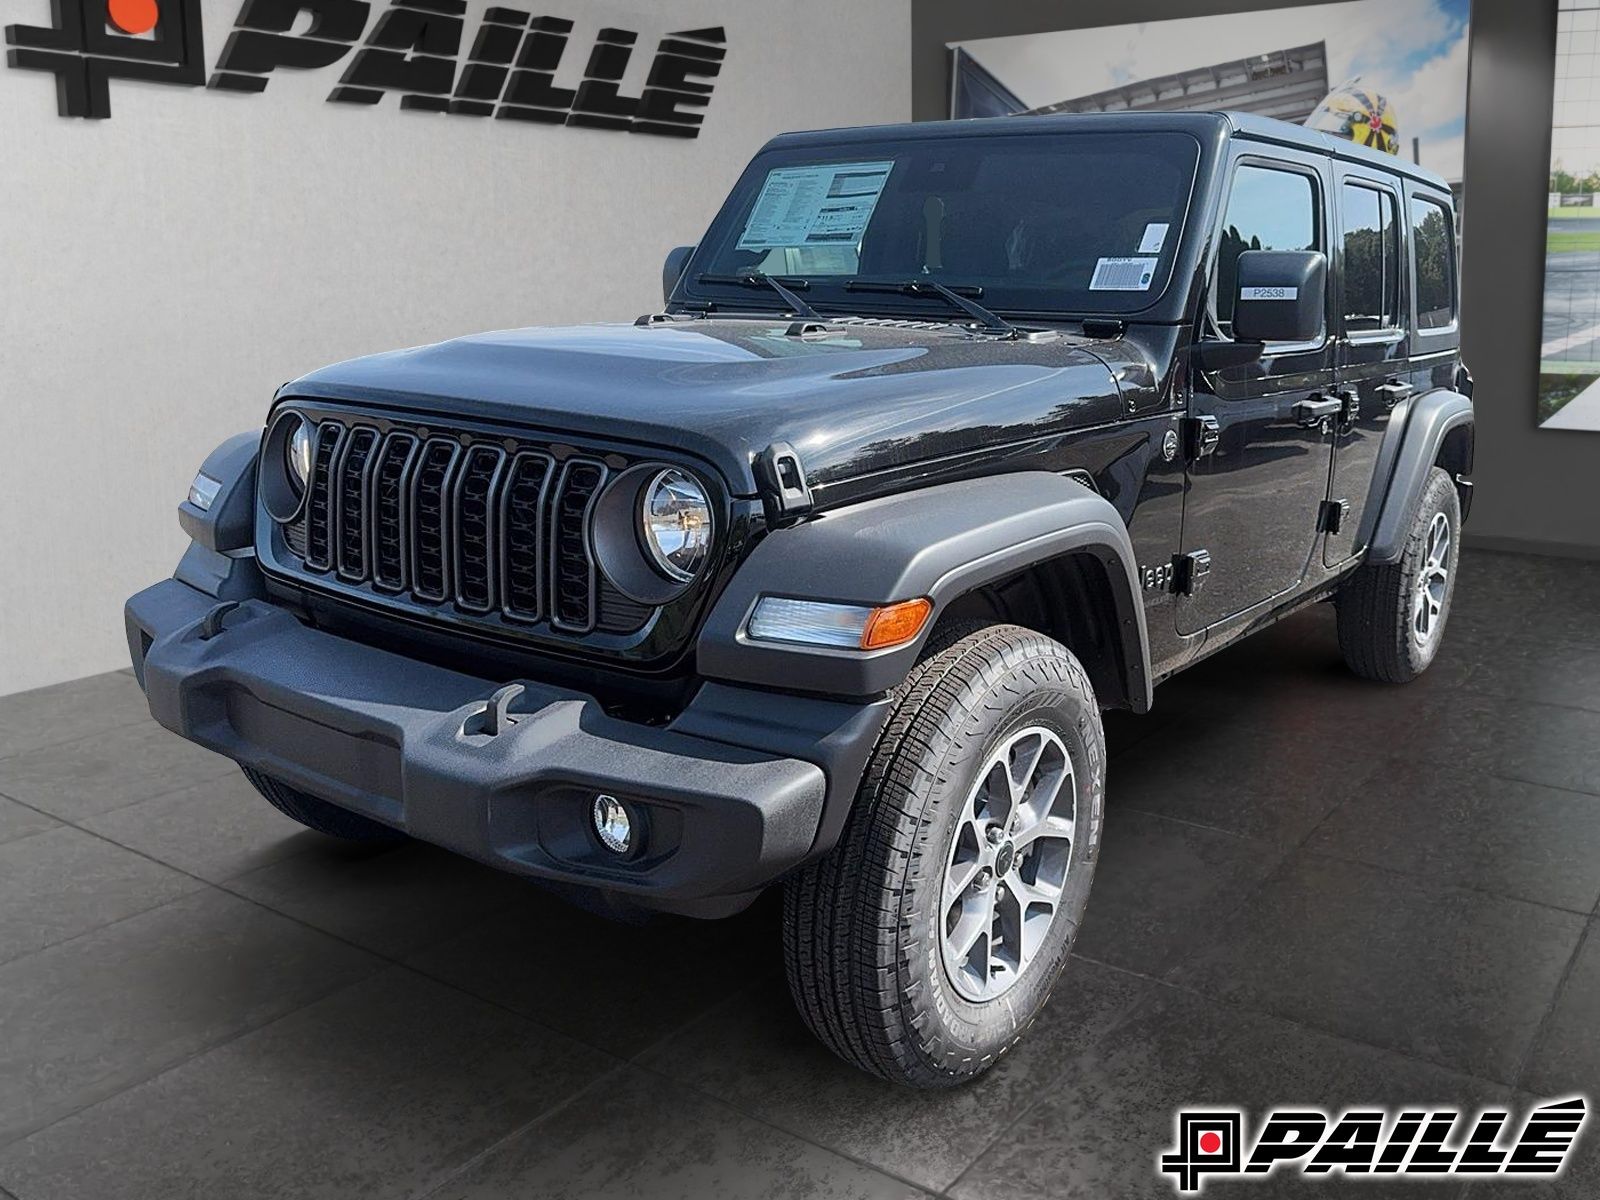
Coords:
pixel 854 399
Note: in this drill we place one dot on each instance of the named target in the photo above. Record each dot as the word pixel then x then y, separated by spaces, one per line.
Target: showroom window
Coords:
pixel 1433 242
pixel 1371 260
pixel 1269 209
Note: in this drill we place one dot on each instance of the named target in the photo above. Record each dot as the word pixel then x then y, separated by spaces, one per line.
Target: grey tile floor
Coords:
pixel 1313 890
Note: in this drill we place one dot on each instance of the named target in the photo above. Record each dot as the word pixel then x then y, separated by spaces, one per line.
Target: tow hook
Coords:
pixel 496 716
pixel 211 623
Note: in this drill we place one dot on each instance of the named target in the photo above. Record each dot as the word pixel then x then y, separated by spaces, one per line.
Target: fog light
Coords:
pixel 612 824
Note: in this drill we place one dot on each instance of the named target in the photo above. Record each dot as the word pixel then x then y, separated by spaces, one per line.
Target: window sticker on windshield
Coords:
pixel 1155 237
pixel 1123 274
pixel 815 206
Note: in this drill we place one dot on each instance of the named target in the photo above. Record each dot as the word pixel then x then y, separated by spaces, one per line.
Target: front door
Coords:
pixel 1372 359
pixel 1261 435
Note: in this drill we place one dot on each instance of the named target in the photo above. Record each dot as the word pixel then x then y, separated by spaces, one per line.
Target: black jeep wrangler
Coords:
pixel 950 437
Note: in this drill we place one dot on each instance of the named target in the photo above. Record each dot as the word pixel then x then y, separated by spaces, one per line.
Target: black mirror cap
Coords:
pixel 1280 296
pixel 677 260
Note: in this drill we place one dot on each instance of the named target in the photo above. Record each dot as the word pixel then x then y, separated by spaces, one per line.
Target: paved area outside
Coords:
pixel 1570 331
pixel 1313 890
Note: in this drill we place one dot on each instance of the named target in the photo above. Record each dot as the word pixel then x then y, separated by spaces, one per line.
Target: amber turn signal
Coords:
pixel 895 624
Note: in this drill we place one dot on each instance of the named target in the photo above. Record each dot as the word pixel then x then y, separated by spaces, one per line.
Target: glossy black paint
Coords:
pixel 855 400
pixel 902 397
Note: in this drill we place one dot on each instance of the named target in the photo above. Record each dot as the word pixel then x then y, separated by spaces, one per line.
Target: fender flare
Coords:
pixel 1427 420
pixel 940 542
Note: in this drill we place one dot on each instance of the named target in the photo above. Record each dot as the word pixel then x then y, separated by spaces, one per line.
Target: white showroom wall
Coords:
pixel 163 271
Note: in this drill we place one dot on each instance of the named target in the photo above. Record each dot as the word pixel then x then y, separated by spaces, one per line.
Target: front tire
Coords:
pixel 924 945
pixel 318 814
pixel 1392 616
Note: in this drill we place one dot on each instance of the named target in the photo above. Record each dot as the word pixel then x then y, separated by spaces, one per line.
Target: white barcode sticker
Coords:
pixel 1123 274
pixel 1269 293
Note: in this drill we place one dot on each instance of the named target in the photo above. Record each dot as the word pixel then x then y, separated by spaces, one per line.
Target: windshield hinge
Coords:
pixel 1104 328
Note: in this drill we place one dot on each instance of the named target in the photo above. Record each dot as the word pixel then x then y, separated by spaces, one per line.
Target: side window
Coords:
pixel 1433 254
pixel 1371 260
pixel 1269 209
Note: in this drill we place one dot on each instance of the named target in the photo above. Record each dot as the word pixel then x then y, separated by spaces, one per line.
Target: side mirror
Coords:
pixel 677 260
pixel 1280 296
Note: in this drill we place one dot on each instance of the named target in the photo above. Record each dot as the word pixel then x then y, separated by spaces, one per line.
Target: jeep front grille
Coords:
pixel 489 527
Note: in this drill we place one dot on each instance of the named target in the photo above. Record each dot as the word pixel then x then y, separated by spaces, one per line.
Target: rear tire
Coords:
pixel 319 814
pixel 1392 616
pixel 979 813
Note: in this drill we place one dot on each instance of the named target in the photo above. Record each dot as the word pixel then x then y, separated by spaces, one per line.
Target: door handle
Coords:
pixel 1395 392
pixel 1317 409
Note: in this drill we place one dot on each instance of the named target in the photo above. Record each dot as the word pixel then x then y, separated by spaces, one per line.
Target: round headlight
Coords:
pixel 297 451
pixel 677 524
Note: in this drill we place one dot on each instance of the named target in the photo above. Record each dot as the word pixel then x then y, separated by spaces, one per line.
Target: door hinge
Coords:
pixel 1333 516
pixel 1200 436
pixel 1351 412
pixel 1189 571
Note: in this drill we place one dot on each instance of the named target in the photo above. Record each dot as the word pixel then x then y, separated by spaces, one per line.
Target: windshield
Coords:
pixel 1058 223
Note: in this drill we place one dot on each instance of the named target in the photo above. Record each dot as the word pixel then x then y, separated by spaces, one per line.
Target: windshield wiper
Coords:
pixel 760 279
pixel 929 287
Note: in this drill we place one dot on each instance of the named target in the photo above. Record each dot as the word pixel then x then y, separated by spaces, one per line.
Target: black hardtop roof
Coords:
pixel 1201 124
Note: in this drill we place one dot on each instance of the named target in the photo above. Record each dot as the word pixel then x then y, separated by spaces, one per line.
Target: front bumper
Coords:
pixel 401 741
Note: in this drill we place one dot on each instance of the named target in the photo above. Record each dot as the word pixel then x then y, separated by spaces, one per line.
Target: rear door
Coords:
pixel 1372 355
pixel 1259 442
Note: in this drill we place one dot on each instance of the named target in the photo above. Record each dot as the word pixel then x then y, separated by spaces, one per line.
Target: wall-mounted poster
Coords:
pixel 1388 73
pixel 1569 356
pixel 1391 74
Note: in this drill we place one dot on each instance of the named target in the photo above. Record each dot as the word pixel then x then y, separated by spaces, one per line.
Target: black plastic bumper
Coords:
pixel 726 803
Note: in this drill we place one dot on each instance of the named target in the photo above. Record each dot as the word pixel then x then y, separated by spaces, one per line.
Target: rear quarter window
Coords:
pixel 1433 258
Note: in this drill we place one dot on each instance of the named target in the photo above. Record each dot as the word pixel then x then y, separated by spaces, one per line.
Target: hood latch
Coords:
pixel 783 481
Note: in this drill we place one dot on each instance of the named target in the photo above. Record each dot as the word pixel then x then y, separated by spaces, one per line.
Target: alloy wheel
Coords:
pixel 1008 864
pixel 1433 581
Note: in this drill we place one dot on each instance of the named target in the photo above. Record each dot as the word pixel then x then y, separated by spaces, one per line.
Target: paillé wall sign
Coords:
pixel 412 49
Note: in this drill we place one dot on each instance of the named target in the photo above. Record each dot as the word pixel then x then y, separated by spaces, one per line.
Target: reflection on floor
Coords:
pixel 1313 890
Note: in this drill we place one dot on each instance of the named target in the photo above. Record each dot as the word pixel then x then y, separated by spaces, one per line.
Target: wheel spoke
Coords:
pixel 1031 894
pixel 977 917
pixel 1049 827
pixel 959 878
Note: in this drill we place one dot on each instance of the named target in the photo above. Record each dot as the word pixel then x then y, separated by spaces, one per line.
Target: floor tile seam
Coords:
pixel 742 992
pixel 1526 1060
pixel 98 730
pixel 449 1175
pixel 769 1123
pixel 198 1053
pixel 1244 1006
pixel 1440 881
pixel 224 773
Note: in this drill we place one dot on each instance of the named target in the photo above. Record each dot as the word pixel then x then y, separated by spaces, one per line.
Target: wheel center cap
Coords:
pixel 1003 857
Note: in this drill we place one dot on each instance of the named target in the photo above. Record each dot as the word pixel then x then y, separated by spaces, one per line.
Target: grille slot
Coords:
pixel 464 523
pixel 319 504
pixel 522 522
pixel 475 527
pixel 389 511
pixel 354 476
pixel 573 603
pixel 430 493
